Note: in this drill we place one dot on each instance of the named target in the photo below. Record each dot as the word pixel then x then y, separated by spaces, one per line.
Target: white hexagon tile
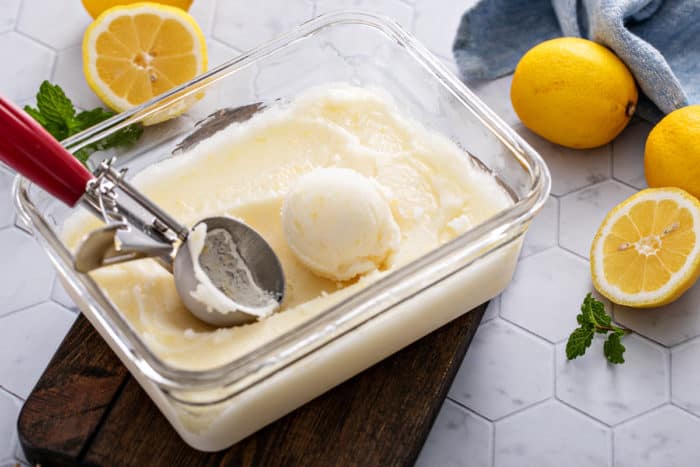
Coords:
pixel 516 401
pixel 615 393
pixel 555 314
pixel 506 369
pixel 668 325
pixel 27 276
pixel 562 433
pixel 26 58
pixel 572 169
pixel 667 437
pixel 9 410
pixel 685 379
pixel 628 154
pixel 459 438
pixel 28 339
pixel 8 14
pixel 241 25
pixel 397 10
pixel 583 211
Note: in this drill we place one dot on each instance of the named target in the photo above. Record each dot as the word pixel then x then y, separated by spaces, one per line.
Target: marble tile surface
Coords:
pixel 27 276
pixel 666 437
pixel 628 154
pixel 505 370
pixel 459 438
pixel 68 73
pixel 60 296
pixel 670 324
pixel 554 315
pixel 397 10
pixel 28 340
pixel 436 23
pixel 516 400
pixel 8 14
pixel 57 25
pixel 583 211
pixel 9 410
pixel 562 433
pixel 33 64
pixel 543 230
pixel 685 381
pixel 572 169
pixel 614 393
pixel 243 27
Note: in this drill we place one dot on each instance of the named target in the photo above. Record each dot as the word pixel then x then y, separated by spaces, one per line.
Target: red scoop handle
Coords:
pixel 32 151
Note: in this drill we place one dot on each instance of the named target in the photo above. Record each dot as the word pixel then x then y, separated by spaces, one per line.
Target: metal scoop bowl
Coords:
pixel 254 290
pixel 235 264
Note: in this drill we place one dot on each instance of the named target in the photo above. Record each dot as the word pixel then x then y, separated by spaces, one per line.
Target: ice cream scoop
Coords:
pixel 339 224
pixel 231 277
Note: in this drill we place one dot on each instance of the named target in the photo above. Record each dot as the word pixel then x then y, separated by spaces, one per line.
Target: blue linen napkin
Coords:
pixel 659 40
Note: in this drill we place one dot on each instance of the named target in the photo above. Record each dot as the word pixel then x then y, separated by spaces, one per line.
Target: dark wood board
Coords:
pixel 87 410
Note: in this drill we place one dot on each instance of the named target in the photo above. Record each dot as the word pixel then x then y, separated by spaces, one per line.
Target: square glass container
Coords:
pixel 213 409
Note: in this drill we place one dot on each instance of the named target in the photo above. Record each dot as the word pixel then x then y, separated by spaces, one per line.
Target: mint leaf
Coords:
pixel 56 113
pixel 89 118
pixel 593 312
pixel 593 319
pixel 57 109
pixel 613 349
pixel 578 342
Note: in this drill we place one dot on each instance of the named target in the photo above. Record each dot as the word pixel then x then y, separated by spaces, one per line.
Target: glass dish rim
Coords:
pixel 478 241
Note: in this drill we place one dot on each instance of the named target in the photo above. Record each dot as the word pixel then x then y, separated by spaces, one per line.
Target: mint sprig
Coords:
pixel 57 114
pixel 593 319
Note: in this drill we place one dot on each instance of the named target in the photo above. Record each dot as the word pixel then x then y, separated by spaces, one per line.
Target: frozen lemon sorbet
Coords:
pixel 342 186
pixel 339 224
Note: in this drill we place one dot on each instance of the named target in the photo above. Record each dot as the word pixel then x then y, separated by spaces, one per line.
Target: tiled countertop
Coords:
pixel 516 400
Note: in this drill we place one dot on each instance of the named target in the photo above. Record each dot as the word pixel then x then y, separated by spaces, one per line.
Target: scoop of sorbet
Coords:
pixel 338 223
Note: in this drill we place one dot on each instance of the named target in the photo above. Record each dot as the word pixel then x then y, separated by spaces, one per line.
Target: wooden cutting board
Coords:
pixel 87 410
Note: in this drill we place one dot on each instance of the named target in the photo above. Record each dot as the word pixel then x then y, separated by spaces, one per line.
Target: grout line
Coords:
pixel 26 307
pixel 612 160
pixel 583 412
pixel 10 393
pixel 532 333
pixel 642 414
pixel 627 184
pixel 468 409
pixel 18 14
pixel 569 250
pixel 522 409
pixel 684 410
pixel 612 447
pixel 493 444
pixel 670 375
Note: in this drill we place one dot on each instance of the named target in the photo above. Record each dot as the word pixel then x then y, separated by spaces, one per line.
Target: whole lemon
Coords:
pixel 573 92
pixel 672 151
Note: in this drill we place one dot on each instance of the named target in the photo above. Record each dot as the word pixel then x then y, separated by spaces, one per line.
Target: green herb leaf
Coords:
pixel 89 118
pixel 593 319
pixel 613 349
pixel 579 341
pixel 56 113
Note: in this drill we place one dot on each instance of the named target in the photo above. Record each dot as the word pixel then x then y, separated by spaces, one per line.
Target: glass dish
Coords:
pixel 213 409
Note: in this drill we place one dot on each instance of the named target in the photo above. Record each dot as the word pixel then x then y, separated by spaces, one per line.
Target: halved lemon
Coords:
pixel 132 53
pixel 647 250
pixel 96 7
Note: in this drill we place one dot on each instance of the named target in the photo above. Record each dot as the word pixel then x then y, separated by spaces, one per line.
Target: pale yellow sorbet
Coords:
pixel 435 192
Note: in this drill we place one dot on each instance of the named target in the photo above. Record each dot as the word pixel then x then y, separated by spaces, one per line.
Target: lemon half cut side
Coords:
pixel 647 250
pixel 135 52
